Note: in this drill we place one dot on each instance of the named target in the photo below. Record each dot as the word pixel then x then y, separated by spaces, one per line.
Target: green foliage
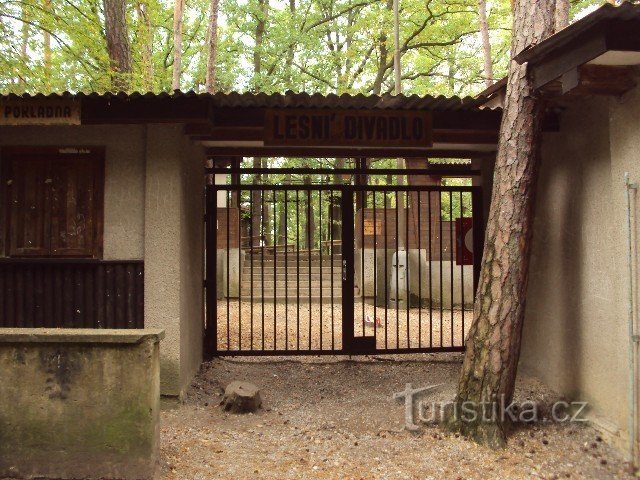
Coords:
pixel 327 46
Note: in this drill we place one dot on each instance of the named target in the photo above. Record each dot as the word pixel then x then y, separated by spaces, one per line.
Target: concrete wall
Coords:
pixel 174 212
pixel 124 176
pixel 154 207
pixel 79 403
pixel 421 286
pixel 575 332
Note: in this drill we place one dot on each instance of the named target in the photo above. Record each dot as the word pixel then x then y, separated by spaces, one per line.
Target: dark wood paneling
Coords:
pixel 233 215
pixel 98 294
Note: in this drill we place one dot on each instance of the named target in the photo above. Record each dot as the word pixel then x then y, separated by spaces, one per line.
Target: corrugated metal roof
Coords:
pixel 624 12
pixel 287 100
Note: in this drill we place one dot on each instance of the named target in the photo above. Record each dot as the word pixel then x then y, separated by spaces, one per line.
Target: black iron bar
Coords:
pixel 331 227
pixel 298 269
pixel 386 270
pixel 251 233
pixel 430 272
pixel 320 258
pixel 460 249
pixel 228 202
pixel 286 271
pixel 238 201
pixel 419 195
pixel 262 241
pixel 445 171
pixel 309 246
pixel 274 217
pixel 441 271
pixel 212 270
pixel 370 188
pixel 363 197
pixel 397 274
pixel 406 266
pixel 451 258
pixel 375 269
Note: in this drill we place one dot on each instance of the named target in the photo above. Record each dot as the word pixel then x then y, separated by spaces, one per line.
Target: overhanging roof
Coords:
pixel 594 39
pixel 233 123
pixel 277 100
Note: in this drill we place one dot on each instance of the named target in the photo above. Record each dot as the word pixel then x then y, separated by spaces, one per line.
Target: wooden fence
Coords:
pixel 71 293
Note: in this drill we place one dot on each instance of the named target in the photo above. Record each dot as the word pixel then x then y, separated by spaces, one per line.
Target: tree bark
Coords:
pixel 210 82
pixel 493 344
pixel 24 47
pixel 562 14
pixel 115 18
pixel 178 14
pixel 257 51
pixel 146 39
pixel 486 45
pixel 48 7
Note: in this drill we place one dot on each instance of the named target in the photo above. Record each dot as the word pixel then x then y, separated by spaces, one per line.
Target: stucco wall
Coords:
pixel 78 403
pixel 153 210
pixel 173 252
pixel 575 331
pixel 124 176
pixel 191 260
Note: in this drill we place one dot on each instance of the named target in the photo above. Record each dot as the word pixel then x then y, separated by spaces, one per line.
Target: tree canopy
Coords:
pixel 326 46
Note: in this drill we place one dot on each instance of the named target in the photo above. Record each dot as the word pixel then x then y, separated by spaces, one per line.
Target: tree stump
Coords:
pixel 241 397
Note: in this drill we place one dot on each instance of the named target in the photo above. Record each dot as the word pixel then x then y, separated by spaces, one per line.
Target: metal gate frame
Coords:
pixel 351 344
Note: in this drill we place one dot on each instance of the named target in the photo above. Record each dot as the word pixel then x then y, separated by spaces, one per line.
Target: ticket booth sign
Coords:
pixel 464 241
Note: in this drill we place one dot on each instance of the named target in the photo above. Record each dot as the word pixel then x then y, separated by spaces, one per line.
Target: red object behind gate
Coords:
pixel 464 241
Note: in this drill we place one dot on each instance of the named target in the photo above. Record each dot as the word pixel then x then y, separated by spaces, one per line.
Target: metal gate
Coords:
pixel 340 268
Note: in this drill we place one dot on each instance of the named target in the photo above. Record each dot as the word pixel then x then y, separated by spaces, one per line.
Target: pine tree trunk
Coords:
pixel 486 45
pixel 493 344
pixel 146 39
pixel 210 83
pixel 115 17
pixel 178 13
pixel 562 14
pixel 47 50
pixel 24 47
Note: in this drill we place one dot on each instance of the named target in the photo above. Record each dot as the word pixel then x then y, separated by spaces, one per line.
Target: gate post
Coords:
pixel 478 234
pixel 211 271
pixel 348 271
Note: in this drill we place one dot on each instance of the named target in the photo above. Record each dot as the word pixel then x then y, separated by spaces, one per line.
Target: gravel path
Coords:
pixel 334 418
pixel 243 328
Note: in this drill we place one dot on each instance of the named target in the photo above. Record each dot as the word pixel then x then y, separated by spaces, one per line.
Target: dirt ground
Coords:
pixel 291 328
pixel 335 418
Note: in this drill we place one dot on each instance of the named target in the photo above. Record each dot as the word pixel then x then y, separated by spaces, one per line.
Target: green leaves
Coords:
pixel 326 46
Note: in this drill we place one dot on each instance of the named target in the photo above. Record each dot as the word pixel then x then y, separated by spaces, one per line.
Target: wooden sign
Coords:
pixel 370 227
pixel 46 111
pixel 347 128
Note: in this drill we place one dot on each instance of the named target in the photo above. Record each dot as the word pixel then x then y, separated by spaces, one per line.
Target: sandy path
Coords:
pixel 416 328
pixel 331 418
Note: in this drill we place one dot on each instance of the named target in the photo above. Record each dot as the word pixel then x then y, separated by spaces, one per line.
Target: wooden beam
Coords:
pixel 578 52
pixel 343 152
pixel 595 80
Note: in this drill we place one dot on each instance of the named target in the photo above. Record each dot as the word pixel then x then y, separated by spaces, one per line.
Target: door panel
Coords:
pixel 28 187
pixel 72 208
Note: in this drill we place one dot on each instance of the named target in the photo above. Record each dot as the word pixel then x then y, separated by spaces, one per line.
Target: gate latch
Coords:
pixel 344 270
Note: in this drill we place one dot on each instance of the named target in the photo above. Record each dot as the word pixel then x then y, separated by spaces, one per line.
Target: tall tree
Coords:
pixel 212 44
pixel 493 344
pixel 115 18
pixel 486 44
pixel 562 14
pixel 178 14
pixel 145 30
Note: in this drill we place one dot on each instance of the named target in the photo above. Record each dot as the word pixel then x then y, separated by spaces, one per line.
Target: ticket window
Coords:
pixel 53 202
